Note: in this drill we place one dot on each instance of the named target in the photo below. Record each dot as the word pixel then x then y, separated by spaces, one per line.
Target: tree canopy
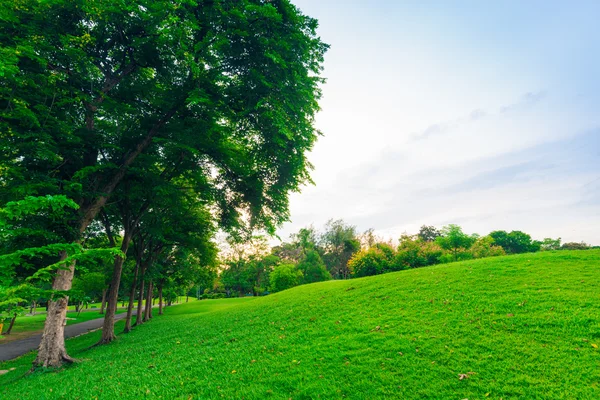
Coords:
pixel 219 94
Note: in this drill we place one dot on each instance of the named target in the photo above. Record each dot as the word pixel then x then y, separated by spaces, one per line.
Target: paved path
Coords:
pixel 11 350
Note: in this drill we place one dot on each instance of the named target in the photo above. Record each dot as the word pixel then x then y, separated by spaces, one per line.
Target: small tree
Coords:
pixel 374 261
pixel 284 276
pixel 515 242
pixel 429 233
pixel 550 244
pixel 414 252
pixel 485 247
pixel 313 268
pixel 455 240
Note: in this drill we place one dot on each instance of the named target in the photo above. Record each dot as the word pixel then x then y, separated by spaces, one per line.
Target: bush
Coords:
pixel 575 246
pixel 212 296
pixel 485 247
pixel 414 252
pixel 313 268
pixel 284 276
pixel 374 261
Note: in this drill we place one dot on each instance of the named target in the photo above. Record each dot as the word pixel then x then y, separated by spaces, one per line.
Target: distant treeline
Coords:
pixel 340 252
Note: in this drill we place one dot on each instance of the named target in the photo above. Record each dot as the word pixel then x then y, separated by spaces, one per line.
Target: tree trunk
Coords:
pixel 52 352
pixel 108 328
pixel 127 328
pixel 103 305
pixel 148 302
pixel 139 315
pixel 12 323
pixel 187 298
pixel 160 300
pixel 80 306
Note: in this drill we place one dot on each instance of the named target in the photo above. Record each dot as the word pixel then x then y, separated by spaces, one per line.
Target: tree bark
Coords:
pixel 52 352
pixel 12 323
pixel 108 328
pixel 103 305
pixel 139 315
pixel 160 300
pixel 127 328
pixel 148 308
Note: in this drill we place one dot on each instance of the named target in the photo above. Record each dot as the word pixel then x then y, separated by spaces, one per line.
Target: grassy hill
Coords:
pixel 524 326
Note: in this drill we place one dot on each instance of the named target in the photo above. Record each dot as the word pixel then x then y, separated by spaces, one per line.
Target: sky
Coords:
pixel 477 113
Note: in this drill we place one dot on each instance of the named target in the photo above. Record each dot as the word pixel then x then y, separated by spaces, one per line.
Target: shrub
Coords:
pixel 284 276
pixel 575 246
pixel 485 247
pixel 313 268
pixel 414 252
pixel 374 261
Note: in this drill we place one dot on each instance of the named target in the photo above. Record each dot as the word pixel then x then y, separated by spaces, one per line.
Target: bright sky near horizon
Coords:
pixel 484 114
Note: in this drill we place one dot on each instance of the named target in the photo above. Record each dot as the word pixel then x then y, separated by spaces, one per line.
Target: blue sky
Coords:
pixel 475 113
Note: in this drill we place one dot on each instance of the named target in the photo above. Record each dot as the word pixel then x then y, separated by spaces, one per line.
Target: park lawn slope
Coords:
pixel 524 326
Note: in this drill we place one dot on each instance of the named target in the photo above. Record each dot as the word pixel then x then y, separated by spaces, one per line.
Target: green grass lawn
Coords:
pixel 517 327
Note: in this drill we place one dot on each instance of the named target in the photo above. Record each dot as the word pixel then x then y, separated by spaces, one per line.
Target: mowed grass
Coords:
pixel 523 327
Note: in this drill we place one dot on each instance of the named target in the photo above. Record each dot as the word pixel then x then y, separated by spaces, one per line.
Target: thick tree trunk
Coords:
pixel 52 352
pixel 160 300
pixel 108 328
pixel 103 305
pixel 139 316
pixel 148 302
pixel 12 323
pixel 131 299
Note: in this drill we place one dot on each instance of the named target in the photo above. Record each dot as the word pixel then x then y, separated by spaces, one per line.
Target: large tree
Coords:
pixel 88 85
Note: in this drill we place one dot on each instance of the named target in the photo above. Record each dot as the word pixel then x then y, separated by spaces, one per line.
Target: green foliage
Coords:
pixel 575 246
pixel 455 240
pixel 515 242
pixel 373 261
pixel 339 242
pixel 284 276
pixel 19 286
pixel 485 247
pixel 91 284
pixel 550 244
pixel 429 233
pixel 414 252
pixel 313 268
pixel 406 335
pixel 228 92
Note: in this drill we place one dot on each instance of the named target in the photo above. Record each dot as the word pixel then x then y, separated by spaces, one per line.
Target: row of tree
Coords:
pixel 339 252
pixel 131 131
